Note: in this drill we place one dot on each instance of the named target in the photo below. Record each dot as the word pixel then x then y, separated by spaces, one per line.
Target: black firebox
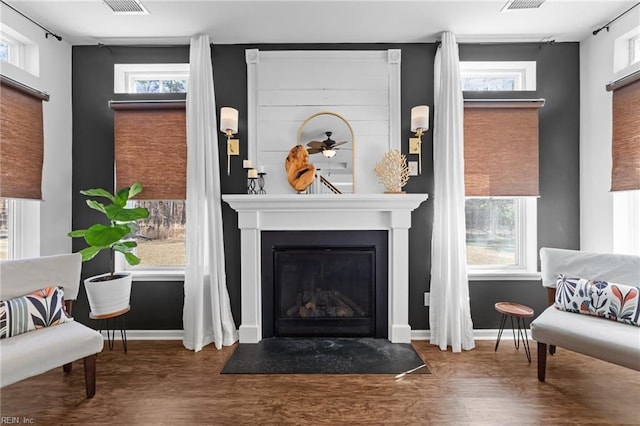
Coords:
pixel 324 283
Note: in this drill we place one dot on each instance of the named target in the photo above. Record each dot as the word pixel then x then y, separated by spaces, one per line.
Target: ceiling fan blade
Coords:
pixel 314 150
pixel 340 143
pixel 315 144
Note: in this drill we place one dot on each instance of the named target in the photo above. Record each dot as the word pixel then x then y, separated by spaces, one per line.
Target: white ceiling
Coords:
pixel 329 21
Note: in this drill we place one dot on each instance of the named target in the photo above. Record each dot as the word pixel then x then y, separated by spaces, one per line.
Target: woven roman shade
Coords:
pixel 625 144
pixel 21 140
pixel 151 147
pixel 501 147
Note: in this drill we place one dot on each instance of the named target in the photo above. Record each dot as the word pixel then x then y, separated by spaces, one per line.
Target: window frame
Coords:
pixel 634 49
pixel 15 50
pixel 526 207
pixel 523 71
pixel 526 246
pixel 23 228
pixel 150 273
pixel 125 76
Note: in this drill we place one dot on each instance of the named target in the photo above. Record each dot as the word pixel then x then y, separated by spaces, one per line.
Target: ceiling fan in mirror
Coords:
pixel 327 147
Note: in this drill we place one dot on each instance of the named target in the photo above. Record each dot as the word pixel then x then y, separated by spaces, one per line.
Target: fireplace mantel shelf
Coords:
pixel 318 212
pixel 301 202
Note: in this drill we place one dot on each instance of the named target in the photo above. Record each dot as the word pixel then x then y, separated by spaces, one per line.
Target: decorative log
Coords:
pixel 303 312
pixel 357 309
pixel 292 310
pixel 324 303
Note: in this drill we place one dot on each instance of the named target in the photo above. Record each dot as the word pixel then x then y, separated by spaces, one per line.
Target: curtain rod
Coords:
pixel 24 88
pixel 623 81
pixel 147 104
pixel 595 32
pixel 47 32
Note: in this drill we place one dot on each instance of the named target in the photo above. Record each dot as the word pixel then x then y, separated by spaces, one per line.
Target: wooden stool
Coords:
pixel 111 332
pixel 509 309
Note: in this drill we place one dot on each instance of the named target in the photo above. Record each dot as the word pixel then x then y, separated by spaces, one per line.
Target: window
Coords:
pixel 11 50
pixel 498 76
pixel 161 237
pixel 18 50
pixel 4 229
pixel 151 78
pixel 499 234
pixel 634 50
pixel 501 222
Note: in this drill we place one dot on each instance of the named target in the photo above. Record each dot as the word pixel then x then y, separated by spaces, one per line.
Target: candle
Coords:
pixel 261 169
pixel 246 164
pixel 252 173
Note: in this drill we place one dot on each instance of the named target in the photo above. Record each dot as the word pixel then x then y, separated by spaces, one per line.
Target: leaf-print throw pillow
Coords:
pixel 42 308
pixel 618 302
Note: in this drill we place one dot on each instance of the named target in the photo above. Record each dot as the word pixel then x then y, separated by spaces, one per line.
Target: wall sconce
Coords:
pixel 229 126
pixel 419 125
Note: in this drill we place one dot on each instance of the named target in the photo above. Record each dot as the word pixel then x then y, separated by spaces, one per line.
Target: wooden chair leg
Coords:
pixel 90 374
pixel 542 361
pixel 67 367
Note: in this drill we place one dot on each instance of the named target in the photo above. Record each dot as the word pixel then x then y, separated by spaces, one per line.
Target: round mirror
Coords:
pixel 329 139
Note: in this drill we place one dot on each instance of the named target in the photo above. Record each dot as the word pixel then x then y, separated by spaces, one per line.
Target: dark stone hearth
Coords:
pixel 283 355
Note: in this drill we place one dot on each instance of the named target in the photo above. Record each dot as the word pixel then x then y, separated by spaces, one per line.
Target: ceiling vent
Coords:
pixel 522 4
pixel 126 7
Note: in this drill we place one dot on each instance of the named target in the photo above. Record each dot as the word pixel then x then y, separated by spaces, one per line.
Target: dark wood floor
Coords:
pixel 159 382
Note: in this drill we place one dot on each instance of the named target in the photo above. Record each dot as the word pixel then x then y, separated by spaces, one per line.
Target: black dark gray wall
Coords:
pixel 158 305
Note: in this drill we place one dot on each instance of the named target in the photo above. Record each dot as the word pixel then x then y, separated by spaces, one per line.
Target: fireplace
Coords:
pixel 261 214
pixel 329 283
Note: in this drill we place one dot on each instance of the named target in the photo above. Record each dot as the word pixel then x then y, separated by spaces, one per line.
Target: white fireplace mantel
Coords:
pixel 298 212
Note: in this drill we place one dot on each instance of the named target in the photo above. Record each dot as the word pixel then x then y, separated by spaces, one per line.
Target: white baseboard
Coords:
pixel 478 334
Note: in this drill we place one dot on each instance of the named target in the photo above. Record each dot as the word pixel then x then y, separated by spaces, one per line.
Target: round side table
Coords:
pixel 110 319
pixel 520 312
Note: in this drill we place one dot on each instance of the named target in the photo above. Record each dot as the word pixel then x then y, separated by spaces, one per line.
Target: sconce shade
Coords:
pixel 419 118
pixel 228 120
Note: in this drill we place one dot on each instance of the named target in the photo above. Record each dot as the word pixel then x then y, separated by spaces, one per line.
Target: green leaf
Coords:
pixel 96 206
pixel 104 236
pixel 132 259
pixel 122 197
pixel 77 233
pixel 135 189
pixel 120 214
pixel 124 247
pixel 90 252
pixel 98 192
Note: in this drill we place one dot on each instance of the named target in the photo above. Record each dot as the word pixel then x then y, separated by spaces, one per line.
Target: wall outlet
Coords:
pixel 427 298
pixel 413 168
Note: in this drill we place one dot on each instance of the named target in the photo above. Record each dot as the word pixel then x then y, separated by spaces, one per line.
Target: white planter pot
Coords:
pixel 107 297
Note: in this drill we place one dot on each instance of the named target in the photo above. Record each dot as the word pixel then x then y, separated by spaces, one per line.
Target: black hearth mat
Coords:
pixel 289 355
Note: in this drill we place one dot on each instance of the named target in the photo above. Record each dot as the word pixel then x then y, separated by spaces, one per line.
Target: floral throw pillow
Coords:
pixel 42 308
pixel 617 302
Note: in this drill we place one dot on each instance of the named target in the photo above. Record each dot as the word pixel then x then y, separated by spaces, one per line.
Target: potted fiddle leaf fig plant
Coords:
pixel 110 292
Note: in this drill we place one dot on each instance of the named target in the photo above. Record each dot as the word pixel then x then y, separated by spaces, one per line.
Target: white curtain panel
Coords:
pixel 449 313
pixel 207 311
